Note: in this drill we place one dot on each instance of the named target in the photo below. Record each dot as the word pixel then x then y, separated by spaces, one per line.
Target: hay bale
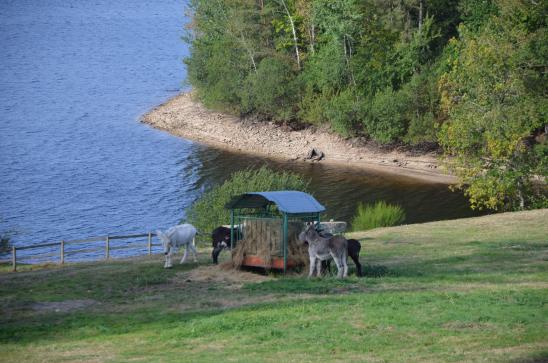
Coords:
pixel 264 238
pixel 239 252
pixel 298 253
pixel 295 249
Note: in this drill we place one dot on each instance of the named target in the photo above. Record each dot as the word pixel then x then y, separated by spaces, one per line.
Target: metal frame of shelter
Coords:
pixel 287 205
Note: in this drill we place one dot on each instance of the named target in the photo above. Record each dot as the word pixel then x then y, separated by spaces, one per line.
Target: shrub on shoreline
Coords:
pixel 380 214
pixel 209 211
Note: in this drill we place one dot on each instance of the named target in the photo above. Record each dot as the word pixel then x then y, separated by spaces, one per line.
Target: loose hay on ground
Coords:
pixel 218 273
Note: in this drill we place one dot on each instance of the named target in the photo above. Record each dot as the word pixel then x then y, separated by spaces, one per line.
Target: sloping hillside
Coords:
pixel 463 290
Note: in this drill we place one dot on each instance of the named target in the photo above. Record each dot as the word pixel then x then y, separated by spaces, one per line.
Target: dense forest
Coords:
pixel 467 76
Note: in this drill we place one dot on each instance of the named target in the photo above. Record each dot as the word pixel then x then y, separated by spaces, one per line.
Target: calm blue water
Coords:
pixel 74 78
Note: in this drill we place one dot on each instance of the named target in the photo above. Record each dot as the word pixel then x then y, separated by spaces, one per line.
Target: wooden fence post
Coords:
pixel 62 252
pixel 107 248
pixel 149 243
pixel 14 258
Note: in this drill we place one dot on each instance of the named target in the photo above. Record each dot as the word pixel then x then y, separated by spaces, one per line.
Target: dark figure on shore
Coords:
pixel 220 238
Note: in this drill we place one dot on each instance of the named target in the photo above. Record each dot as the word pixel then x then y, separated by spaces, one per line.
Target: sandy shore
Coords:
pixel 187 118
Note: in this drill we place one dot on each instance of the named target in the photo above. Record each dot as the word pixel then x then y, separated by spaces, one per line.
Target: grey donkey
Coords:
pixel 323 248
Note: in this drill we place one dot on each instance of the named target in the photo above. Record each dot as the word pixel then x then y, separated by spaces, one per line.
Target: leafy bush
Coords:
pixel 209 211
pixel 422 98
pixel 379 215
pixel 387 118
pixel 476 13
pixel 422 128
pixel 326 69
pixel 272 89
pixel 342 112
pixel 312 107
pixel 216 76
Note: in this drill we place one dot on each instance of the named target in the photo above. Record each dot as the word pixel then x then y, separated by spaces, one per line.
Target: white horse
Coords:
pixel 175 237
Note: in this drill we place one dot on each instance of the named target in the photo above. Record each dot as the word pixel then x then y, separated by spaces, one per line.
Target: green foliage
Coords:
pixel 326 70
pixel 244 58
pixel 475 13
pixel 209 211
pixel 312 106
pixel 380 214
pixel 422 128
pixel 467 74
pixel 495 102
pixel 422 108
pixel 222 53
pixel 411 56
pixel 342 112
pixel 386 120
pixel 272 90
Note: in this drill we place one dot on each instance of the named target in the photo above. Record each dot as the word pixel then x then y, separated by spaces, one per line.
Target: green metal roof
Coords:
pixel 288 201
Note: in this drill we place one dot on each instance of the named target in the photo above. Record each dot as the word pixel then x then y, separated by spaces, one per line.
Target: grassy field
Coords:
pixel 463 290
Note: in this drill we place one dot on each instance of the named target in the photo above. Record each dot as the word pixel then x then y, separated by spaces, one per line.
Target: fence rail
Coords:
pixel 60 255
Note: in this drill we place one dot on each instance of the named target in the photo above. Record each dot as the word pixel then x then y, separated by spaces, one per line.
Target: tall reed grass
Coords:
pixel 381 214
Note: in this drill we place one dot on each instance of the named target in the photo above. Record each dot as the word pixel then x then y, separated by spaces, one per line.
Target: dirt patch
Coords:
pixel 63 306
pixel 463 325
pixel 221 273
pixel 182 116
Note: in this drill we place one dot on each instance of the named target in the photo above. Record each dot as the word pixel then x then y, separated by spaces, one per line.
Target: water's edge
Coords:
pixel 186 117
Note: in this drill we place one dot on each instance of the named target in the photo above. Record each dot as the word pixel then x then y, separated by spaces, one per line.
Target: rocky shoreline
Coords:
pixel 184 117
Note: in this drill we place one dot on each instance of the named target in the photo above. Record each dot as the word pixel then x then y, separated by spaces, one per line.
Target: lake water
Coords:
pixel 75 76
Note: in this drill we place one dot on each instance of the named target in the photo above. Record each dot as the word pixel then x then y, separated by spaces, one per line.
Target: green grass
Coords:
pixel 464 290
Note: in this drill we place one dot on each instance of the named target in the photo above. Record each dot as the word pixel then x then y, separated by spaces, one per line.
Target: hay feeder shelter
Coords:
pixel 266 226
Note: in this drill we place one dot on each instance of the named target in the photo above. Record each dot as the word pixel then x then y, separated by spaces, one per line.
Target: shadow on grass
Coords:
pixel 541 357
pixel 487 262
pixel 85 324
pixel 375 270
pixel 102 282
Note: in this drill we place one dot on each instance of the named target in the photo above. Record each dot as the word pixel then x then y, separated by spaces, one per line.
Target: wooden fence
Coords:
pixel 63 248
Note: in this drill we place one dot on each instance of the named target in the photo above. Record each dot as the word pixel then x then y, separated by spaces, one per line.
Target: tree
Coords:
pixel 494 94
pixel 225 39
pixel 293 27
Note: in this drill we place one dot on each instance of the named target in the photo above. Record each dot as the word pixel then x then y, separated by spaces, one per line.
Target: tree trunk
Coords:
pixel 312 31
pixel 520 196
pixel 347 56
pixel 249 52
pixel 295 40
